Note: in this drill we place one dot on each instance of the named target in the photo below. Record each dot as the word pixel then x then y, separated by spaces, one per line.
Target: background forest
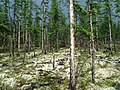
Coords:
pixel 35 48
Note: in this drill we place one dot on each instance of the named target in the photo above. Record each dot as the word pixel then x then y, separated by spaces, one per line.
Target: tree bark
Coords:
pixel 44 29
pixel 13 32
pixel 72 47
pixel 29 44
pixel 110 26
pixel 97 44
pixel 19 38
pixel 92 40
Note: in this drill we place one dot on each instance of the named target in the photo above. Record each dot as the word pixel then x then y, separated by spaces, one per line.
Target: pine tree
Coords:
pixel 44 27
pixel 92 39
pixel 72 47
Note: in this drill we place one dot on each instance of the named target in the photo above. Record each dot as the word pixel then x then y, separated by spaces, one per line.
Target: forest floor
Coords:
pixel 39 73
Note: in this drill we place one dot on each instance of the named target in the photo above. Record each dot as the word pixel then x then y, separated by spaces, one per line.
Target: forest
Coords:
pixel 59 44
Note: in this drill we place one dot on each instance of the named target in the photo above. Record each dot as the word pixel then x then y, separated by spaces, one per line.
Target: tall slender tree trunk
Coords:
pixel 118 24
pixel 53 61
pixel 13 32
pixel 92 40
pixel 72 47
pixel 110 26
pixel 115 38
pixel 44 28
pixel 34 42
pixel 19 26
pixel 34 34
pixel 25 30
pixel 10 45
pixel 29 40
pixel 25 42
pixel 97 44
pixel 42 40
pixel 4 42
pixel 57 42
pixel 110 32
pixel 23 35
pixel 19 38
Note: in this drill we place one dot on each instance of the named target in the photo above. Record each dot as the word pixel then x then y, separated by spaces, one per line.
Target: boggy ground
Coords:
pixel 39 72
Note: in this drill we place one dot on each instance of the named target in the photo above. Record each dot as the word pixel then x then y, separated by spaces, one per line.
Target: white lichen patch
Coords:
pixel 92 86
pixel 106 72
pixel 1 65
pixel 27 77
pixel 3 75
pixel 11 82
pixel 107 88
pixel 44 67
pixel 40 68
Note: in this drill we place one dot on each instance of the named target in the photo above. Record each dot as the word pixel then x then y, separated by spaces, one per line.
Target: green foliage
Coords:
pixel 79 29
pixel 4 27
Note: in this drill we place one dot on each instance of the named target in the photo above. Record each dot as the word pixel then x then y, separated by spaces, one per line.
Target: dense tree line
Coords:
pixel 21 19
